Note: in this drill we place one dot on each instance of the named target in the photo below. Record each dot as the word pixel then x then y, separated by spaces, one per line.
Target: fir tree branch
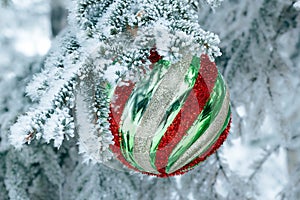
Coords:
pixel 259 163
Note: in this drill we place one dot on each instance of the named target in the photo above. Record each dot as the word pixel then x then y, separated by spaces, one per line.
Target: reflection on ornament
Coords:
pixel 173 119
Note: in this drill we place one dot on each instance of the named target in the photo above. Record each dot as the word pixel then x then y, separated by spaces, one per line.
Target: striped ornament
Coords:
pixel 173 119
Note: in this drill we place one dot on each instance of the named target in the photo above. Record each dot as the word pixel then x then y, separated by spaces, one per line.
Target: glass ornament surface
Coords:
pixel 172 119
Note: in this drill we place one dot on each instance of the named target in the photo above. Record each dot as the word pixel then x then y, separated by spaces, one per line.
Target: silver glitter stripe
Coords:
pixel 160 102
pixel 206 139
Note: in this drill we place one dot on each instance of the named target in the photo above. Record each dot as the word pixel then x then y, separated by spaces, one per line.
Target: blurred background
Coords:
pixel 260 43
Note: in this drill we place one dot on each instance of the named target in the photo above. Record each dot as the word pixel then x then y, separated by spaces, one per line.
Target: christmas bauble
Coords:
pixel 171 120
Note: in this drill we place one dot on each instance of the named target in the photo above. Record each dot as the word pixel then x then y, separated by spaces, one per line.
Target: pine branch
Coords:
pixel 88 13
pixel 221 167
pixel 214 3
pixel 55 98
pixel 258 164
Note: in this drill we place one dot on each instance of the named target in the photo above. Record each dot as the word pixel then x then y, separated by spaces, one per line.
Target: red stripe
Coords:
pixel 191 109
pixel 117 106
pixel 120 97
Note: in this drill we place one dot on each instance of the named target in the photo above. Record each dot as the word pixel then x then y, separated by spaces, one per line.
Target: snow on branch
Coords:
pixel 297 5
pixel 117 18
pixel 214 3
pixel 50 120
pixel 64 52
pixel 53 90
pixel 258 164
pixel 92 116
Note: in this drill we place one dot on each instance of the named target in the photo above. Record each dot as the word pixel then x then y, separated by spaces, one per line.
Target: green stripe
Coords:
pixel 175 107
pixel 136 106
pixel 214 141
pixel 206 117
pixel 127 149
pixel 217 136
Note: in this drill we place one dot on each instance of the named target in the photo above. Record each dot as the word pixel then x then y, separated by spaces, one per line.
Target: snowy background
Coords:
pixel 260 44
